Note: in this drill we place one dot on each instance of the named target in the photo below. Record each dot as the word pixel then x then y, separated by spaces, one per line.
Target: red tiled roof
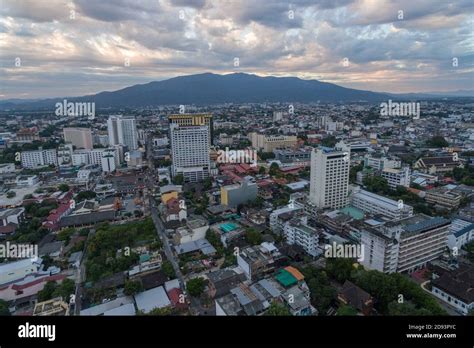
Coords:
pixel 55 214
pixel 264 182
pixel 7 229
pixel 174 296
pixel 55 277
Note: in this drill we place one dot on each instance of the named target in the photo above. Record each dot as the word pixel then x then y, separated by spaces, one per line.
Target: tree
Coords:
pixel 376 184
pixel 167 267
pixel 346 310
pixel 83 195
pixel 322 293
pixel 274 169
pixel 277 309
pixel 437 141
pixel 386 288
pixel 329 141
pixel 469 247
pixel 65 289
pixel 215 241
pixel 252 236
pixel 4 308
pixel 195 286
pixel 339 268
pixel 178 179
pixel 47 292
pixel 161 311
pixel 353 172
pixel 207 184
pixel 132 287
pixel 406 308
pixel 266 155
pixel 66 234
pixel 261 170
pixel 63 187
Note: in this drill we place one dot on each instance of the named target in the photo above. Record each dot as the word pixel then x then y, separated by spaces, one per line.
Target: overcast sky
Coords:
pixel 71 48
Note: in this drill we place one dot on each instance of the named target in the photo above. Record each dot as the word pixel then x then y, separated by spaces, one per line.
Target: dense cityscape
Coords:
pixel 214 172
pixel 247 209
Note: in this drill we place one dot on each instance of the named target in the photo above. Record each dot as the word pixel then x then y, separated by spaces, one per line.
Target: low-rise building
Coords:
pixel 396 177
pixel 461 232
pixel 150 299
pixel 26 180
pixel 355 297
pixel 12 216
pixel 195 229
pixel 260 260
pixel 377 204
pixel 12 271
pixel 298 232
pixel 53 307
pixel 234 195
pixel 6 168
pixel 280 216
pixel 443 197
pixel 455 288
pixel 438 164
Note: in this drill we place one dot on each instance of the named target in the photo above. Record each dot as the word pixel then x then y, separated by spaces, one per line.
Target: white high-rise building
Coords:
pixel 39 158
pixel 108 160
pixel 190 152
pixel 123 130
pixel 329 183
pixel 95 156
pixel 64 154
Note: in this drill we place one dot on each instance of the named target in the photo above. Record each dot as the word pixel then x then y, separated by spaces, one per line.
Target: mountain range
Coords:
pixel 208 88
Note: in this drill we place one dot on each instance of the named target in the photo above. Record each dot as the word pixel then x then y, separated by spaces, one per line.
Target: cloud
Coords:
pixel 85 53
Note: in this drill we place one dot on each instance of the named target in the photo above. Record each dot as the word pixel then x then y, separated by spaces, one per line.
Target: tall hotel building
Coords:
pixel 329 183
pixel 190 151
pixel 123 130
pixel 193 120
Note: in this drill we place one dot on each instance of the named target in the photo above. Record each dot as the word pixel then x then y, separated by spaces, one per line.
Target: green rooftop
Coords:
pixel 353 212
pixel 285 278
pixel 144 258
pixel 228 227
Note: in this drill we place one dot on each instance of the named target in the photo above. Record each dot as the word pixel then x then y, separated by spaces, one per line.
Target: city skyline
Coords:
pixel 73 48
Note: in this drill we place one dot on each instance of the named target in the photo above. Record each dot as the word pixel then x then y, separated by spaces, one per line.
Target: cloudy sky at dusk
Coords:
pixel 71 48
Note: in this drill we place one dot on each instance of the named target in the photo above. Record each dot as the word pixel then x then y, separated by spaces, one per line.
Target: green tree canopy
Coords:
pixel 196 286
pixel 437 141
pixel 63 187
pixel 252 236
pixel 277 309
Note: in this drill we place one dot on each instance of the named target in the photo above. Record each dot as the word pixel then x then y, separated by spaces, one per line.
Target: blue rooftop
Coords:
pixel 463 230
pixel 426 224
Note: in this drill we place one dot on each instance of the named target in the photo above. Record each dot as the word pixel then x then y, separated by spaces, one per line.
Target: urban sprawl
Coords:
pixel 238 209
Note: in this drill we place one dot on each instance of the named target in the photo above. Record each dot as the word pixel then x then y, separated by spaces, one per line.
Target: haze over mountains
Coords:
pixel 211 88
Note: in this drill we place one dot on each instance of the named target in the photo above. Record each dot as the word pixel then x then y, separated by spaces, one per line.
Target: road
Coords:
pixel 195 307
pixel 160 229
pixel 80 275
